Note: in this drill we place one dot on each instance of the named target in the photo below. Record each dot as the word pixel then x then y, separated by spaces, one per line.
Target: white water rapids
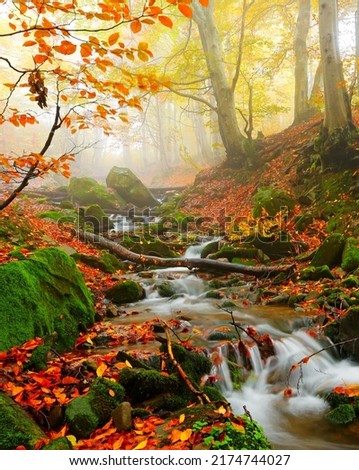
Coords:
pixel 296 422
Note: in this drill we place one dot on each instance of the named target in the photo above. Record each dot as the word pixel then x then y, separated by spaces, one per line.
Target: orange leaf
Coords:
pixel 181 418
pixel 165 21
pixel 66 48
pixel 141 445
pixel 70 380
pixel 185 10
pixel 288 392
pixel 40 58
pixel 85 50
pixel 305 360
pixel 204 3
pixel 29 43
pixel 111 392
pixel 113 38
pixel 136 26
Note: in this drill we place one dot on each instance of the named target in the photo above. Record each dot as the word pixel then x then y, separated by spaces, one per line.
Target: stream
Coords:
pixel 296 422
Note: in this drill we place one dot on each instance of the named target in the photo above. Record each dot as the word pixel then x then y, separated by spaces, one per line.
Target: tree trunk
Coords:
pixel 190 263
pixel 316 96
pixel 227 118
pixel 335 133
pixel 301 104
pixel 357 46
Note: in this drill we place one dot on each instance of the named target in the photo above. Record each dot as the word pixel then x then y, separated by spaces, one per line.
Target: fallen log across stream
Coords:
pixel 201 264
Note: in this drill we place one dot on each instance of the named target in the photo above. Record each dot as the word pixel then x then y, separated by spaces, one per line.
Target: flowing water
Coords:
pixel 296 422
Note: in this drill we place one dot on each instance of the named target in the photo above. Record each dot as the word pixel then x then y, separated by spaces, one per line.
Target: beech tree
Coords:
pixel 334 140
pixel 73 61
pixel 301 98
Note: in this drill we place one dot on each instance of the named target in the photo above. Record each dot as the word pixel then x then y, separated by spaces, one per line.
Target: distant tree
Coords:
pixel 337 128
pixel 301 98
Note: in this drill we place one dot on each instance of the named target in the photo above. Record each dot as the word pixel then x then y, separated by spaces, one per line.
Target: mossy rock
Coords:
pixel 16 427
pixel 273 200
pixel 106 262
pixel 65 217
pixel 66 204
pixel 41 295
pixel 350 281
pixel 141 384
pixel 195 364
pixel 275 248
pixel 348 328
pixel 85 191
pixel 166 289
pixel 302 221
pixel 350 259
pixel 61 443
pixel 81 418
pixel 342 414
pixel 330 251
pixel 154 248
pixel 130 188
pixel 313 273
pixel 125 292
pixel 105 396
pixel 231 253
pixel 210 248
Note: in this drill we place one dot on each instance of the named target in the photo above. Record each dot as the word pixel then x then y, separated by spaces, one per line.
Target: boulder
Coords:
pixel 313 273
pixel 130 188
pixel 350 258
pixel 42 295
pixel 125 292
pixel 272 200
pixel 16 427
pixel 330 251
pixel 106 262
pixel 84 414
pixel 85 191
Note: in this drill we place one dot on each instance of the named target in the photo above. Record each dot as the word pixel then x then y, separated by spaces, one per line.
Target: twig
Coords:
pixel 201 396
pixel 306 359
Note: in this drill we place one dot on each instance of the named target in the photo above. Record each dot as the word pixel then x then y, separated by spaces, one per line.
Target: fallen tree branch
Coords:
pixel 201 396
pixel 202 264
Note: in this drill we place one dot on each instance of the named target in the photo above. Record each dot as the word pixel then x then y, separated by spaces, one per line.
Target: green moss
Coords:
pixel 105 262
pixel 85 191
pixel 272 200
pixel 125 292
pixel 330 251
pixel 66 204
pixel 81 418
pixel 195 364
pixel 129 187
pixel 213 294
pixel 43 294
pixel 16 426
pixel 16 255
pixel 61 443
pixel 56 216
pixel 166 289
pixel 350 281
pixel 105 396
pixel 342 414
pixel 350 259
pixel 143 384
pixel 315 273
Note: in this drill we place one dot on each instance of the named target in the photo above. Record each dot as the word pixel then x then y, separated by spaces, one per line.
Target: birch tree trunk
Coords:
pixel 337 124
pixel 301 103
pixel 227 118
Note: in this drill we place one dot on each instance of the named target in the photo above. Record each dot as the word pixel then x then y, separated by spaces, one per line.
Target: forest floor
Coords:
pixel 216 193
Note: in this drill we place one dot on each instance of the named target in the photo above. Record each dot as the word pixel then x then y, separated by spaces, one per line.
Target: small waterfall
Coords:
pixel 195 251
pixel 285 419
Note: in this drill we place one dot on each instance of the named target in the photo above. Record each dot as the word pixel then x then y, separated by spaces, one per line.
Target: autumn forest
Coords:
pixel 179 225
